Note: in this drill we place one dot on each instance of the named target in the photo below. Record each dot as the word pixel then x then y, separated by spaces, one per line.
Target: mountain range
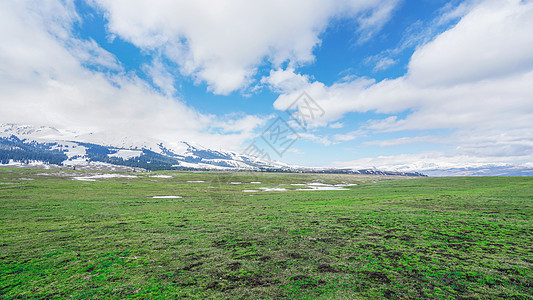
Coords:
pixel 25 145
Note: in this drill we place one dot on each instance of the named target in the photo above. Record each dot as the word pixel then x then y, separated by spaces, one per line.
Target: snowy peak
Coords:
pixel 29 131
pixel 112 148
pixel 49 145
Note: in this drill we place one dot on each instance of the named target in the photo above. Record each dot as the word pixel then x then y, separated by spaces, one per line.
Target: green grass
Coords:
pixel 411 238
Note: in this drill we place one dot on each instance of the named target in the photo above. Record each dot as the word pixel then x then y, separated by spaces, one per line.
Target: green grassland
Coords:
pixel 441 238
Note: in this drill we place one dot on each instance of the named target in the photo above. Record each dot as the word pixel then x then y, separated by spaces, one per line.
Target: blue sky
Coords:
pixel 403 85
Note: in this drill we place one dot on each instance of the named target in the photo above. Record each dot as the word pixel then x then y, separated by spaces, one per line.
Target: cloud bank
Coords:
pixel 222 43
pixel 50 77
pixel 474 79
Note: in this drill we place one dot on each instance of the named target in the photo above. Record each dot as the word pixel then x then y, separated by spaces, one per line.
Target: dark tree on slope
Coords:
pixel 17 150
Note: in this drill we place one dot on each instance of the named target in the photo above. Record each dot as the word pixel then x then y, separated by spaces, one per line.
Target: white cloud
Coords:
pixel 492 40
pixel 336 125
pixel 315 138
pixel 373 21
pixel 44 81
pixel 421 32
pixel 285 80
pixel 88 52
pixel 295 151
pixel 222 43
pixel 431 160
pixel 241 123
pixel 333 99
pixel 407 140
pixel 451 11
pixel 380 62
pixel 161 77
pixel 474 79
pixel 384 64
pixel 350 136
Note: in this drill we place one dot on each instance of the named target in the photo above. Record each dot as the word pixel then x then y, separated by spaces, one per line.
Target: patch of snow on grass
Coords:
pixel 323 188
pixel 317 184
pixel 102 176
pixel 267 189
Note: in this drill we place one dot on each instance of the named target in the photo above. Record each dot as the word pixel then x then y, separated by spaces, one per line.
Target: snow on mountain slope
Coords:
pixel 35 132
pixel 126 154
pixel 109 139
pixel 107 149
pixel 137 151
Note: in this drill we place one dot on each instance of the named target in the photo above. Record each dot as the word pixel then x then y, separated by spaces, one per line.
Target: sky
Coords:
pixel 391 84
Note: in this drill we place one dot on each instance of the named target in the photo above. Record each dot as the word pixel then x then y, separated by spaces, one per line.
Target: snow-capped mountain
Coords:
pixel 486 170
pixel 443 168
pixel 135 151
pixel 30 145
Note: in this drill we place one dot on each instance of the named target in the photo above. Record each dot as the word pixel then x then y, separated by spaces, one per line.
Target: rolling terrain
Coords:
pixel 221 235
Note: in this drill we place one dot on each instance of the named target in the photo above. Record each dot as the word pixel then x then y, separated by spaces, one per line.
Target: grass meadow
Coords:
pixel 386 237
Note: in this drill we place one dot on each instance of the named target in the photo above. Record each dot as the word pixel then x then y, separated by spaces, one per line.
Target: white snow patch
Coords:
pixel 255 182
pixel 195 181
pixel 72 149
pixel 323 188
pixel 60 174
pixel 235 182
pixel 76 162
pixel 200 166
pixel 33 163
pixel 126 154
pixel 314 186
pixel 250 191
pixel 317 184
pixel 102 176
pixel 274 189
pixel 166 197
pixel 161 176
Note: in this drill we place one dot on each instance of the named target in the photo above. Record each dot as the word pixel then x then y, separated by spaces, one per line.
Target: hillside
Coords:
pixel 23 144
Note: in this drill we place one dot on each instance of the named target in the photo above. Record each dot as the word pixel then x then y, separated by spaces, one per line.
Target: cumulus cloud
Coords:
pixel 474 79
pixel 492 40
pixel 222 43
pixel 421 32
pixel 45 80
pixel 287 80
pixel 333 99
pixel 161 77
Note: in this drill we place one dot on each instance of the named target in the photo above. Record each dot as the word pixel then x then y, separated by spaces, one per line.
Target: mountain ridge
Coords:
pixel 80 150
